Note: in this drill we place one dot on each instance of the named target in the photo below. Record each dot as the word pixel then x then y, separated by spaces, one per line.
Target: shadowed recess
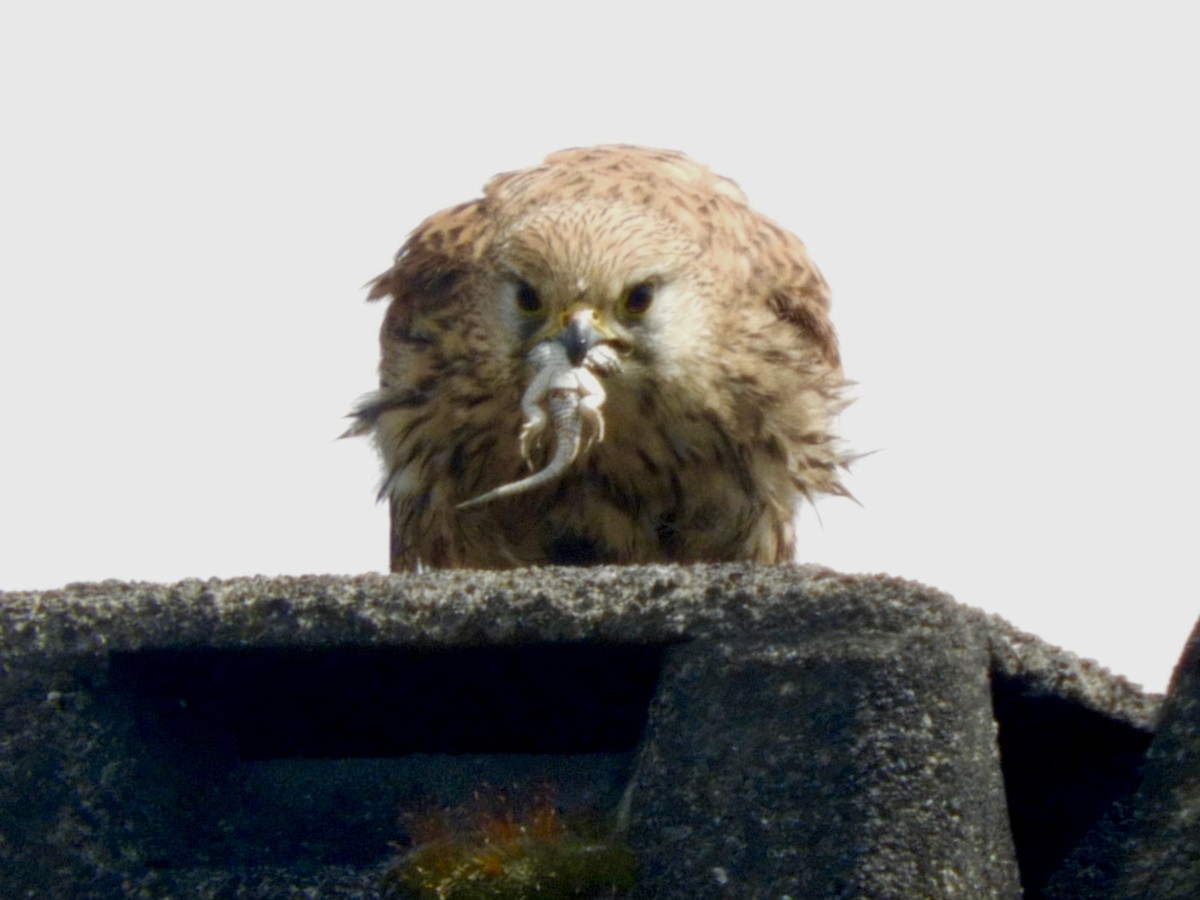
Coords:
pixel 274 704
pixel 1064 768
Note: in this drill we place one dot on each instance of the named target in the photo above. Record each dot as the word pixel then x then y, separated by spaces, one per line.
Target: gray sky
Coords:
pixel 1004 198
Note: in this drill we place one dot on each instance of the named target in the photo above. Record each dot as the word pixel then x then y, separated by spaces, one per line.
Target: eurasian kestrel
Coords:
pixel 608 358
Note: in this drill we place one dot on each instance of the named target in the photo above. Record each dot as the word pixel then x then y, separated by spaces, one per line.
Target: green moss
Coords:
pixel 485 851
pixel 525 868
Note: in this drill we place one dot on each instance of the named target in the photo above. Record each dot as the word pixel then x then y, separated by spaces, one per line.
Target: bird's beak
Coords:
pixel 582 330
pixel 580 335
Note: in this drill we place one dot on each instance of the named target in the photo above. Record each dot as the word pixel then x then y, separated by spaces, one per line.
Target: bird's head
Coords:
pixel 579 323
pixel 594 276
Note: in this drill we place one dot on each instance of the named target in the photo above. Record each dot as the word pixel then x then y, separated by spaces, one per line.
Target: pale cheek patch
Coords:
pixel 675 330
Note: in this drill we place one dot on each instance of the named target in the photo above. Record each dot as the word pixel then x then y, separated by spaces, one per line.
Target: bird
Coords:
pixel 608 358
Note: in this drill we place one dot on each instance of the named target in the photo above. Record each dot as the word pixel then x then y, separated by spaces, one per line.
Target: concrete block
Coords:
pixel 744 731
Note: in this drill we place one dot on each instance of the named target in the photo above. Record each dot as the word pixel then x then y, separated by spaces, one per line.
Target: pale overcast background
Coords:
pixel 1004 198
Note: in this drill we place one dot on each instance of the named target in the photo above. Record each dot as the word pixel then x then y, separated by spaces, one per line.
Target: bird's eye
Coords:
pixel 638 299
pixel 527 298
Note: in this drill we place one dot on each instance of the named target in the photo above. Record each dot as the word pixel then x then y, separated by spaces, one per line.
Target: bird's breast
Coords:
pixel 662 486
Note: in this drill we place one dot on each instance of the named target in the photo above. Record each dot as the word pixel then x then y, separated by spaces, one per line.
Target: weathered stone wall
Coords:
pixel 744 731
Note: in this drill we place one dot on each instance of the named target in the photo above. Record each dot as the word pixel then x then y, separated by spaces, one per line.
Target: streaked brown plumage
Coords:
pixel 698 327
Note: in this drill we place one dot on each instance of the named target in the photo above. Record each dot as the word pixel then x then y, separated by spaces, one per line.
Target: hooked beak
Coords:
pixel 581 334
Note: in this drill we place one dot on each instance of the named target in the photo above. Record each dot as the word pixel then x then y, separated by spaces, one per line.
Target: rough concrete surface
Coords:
pixel 1149 845
pixel 746 731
